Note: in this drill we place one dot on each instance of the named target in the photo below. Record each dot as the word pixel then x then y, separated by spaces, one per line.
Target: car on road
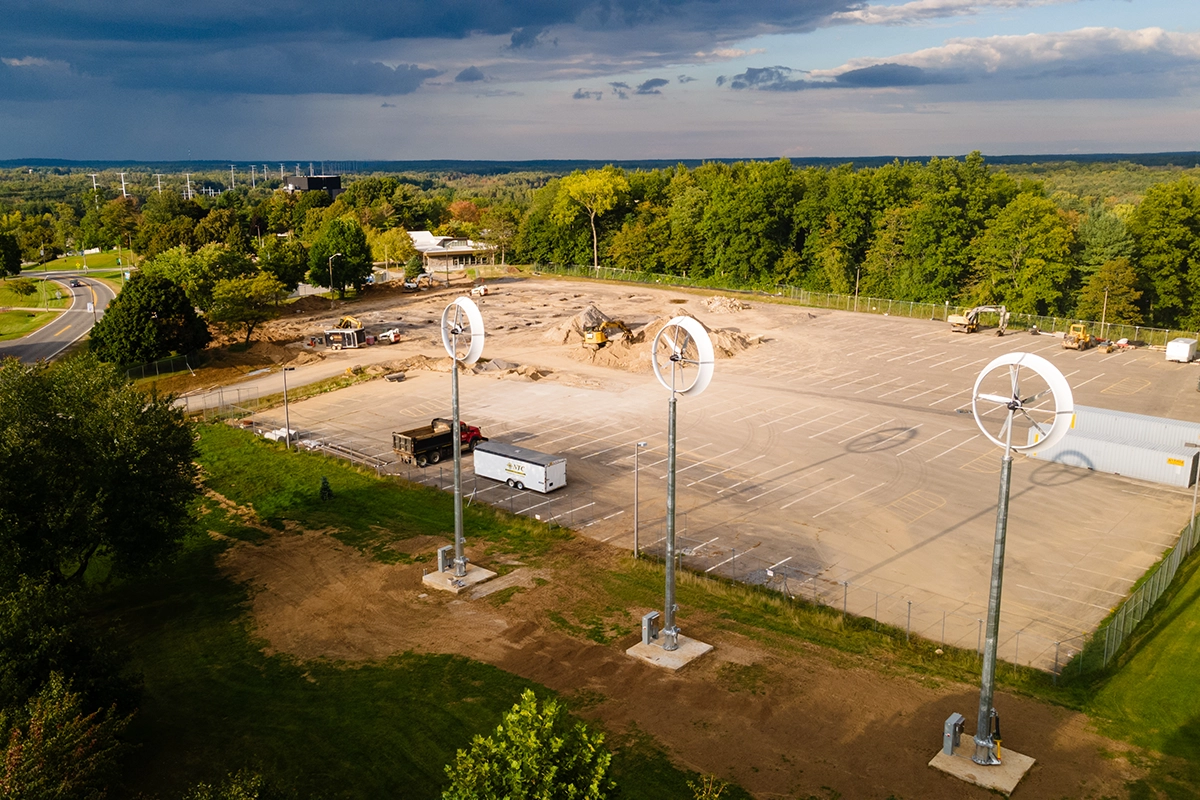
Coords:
pixel 75 282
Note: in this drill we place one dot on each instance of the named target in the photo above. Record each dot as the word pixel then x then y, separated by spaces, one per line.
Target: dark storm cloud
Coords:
pixel 470 75
pixel 360 46
pixel 652 86
pixel 580 94
pixel 686 79
pixel 888 74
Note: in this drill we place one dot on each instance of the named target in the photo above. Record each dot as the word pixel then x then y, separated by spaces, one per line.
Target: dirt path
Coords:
pixel 779 726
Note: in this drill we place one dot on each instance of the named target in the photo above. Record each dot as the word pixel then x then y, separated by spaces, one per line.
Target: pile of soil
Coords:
pixel 719 304
pixel 570 332
pixel 507 369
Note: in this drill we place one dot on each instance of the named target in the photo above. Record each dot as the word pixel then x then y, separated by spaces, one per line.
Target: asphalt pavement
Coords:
pixel 70 326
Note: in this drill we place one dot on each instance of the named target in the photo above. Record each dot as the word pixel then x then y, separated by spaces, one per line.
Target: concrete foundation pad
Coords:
pixel 446 582
pixel 689 650
pixel 1002 777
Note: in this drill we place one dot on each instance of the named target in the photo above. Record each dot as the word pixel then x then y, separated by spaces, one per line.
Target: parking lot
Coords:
pixel 829 461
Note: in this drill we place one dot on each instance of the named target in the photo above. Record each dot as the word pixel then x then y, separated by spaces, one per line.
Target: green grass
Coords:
pixel 45 295
pixel 95 261
pixel 15 324
pixel 1150 698
pixel 367 512
pixel 214 702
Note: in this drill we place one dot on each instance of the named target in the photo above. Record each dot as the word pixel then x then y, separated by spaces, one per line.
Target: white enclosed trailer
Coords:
pixel 1183 350
pixel 520 467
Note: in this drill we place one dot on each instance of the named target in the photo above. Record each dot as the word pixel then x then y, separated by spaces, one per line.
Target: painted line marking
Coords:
pixel 760 475
pixel 727 469
pixel 818 491
pixel 905 355
pixel 893 436
pixel 856 380
pixel 876 386
pixel 947 397
pixel 927 391
pixel 614 447
pixel 970 364
pixel 573 510
pixel 597 440
pixel 698 463
pixel 927 441
pixel 868 430
pixel 901 389
pixel 64 330
pixel 782 485
pixel 781 419
pixel 848 499
pixel 780 563
pixel 835 427
pixel 926 358
pixel 1089 380
pixel 947 361
pixel 811 421
pixel 960 444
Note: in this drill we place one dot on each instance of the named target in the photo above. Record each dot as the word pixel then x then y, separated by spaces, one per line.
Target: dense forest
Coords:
pixel 1080 239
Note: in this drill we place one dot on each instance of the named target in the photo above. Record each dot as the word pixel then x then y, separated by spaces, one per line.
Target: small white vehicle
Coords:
pixel 519 467
pixel 481 291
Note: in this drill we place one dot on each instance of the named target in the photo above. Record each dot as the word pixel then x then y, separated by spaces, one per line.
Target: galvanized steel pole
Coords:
pixel 460 561
pixel 985 746
pixel 670 630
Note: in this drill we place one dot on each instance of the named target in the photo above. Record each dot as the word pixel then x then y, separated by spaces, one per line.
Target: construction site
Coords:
pixel 830 458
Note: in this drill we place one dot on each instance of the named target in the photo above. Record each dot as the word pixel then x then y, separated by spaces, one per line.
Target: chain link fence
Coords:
pixel 164 366
pixel 1136 334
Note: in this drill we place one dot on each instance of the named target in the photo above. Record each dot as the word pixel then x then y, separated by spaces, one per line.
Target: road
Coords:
pixel 50 340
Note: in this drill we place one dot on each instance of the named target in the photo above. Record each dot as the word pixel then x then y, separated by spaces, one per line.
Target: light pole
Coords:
pixel 636 451
pixel 857 270
pixel 287 420
pixel 1195 487
pixel 331 258
pixel 1104 315
pixel 460 319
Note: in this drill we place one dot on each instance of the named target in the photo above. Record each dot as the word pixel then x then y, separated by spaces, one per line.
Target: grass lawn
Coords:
pixel 95 261
pixel 214 703
pixel 1151 698
pixel 15 324
pixel 44 296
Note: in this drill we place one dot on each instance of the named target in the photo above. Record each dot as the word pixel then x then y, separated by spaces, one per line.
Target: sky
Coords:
pixel 302 80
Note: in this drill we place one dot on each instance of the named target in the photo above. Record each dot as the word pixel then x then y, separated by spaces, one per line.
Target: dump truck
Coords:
pixel 520 467
pixel 431 443
pixel 1078 338
pixel 969 322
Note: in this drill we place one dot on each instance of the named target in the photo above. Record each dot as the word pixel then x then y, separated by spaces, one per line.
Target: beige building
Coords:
pixel 445 252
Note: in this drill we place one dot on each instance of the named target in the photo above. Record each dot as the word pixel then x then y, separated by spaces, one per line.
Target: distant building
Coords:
pixel 443 252
pixel 314 183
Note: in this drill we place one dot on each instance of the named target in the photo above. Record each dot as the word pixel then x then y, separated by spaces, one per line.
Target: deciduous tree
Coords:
pixel 245 302
pixel 595 192
pixel 151 318
pixel 351 268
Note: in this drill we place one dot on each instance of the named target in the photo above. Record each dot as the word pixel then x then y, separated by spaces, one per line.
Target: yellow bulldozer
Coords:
pixel 608 331
pixel 1078 338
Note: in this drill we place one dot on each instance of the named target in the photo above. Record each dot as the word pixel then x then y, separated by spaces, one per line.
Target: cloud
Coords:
pixel 685 79
pixel 580 94
pixel 387 105
pixel 470 75
pixel 652 86
pixel 923 10
pixel 726 53
pixel 621 90
pixel 525 38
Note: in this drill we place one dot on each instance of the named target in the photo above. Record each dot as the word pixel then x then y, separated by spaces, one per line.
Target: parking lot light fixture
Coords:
pixel 287 420
pixel 636 451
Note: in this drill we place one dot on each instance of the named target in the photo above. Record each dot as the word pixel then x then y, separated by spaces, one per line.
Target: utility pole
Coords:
pixel 159 176
pixel 189 185
pixel 232 179
pixel 252 168
pixel 1104 314
pixel 95 190
pixel 123 193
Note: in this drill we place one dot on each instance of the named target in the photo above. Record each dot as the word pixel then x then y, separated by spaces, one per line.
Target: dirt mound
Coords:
pixel 633 353
pixel 259 353
pixel 507 369
pixel 309 305
pixel 727 342
pixel 571 331
pixel 307 357
pixel 719 304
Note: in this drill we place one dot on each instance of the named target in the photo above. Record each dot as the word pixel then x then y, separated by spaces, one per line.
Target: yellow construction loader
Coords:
pixel 1078 338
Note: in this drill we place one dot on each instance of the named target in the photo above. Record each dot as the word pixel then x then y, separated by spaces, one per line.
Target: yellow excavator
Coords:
pixel 608 331
pixel 348 323
pixel 969 322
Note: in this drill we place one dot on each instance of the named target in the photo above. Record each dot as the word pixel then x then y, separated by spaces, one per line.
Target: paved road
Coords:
pixel 50 340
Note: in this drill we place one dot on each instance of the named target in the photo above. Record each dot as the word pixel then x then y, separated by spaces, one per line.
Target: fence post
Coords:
pixel 943 627
pixel 979 644
pixel 1056 664
pixel 876 610
pixel 845 592
pixel 908 623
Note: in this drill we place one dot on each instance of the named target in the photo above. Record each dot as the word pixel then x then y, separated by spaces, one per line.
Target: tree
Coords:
pixel 535 754
pixel 23 286
pixel 343 241
pixel 245 301
pixel 242 785
pixel 1111 294
pixel 500 225
pixel 286 258
pixel 1022 258
pixel 596 191
pixel 150 319
pixel 53 749
pixel 10 255
pixel 197 273
pixel 89 466
pixel 392 246
pixel 1166 233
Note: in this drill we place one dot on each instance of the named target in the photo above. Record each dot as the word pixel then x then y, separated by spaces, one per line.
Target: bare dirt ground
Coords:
pixel 778 724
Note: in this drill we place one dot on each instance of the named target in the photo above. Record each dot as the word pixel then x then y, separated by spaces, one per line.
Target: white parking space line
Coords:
pixel 811 421
pixel 925 442
pixel 835 427
pixel 780 563
pixel 906 355
pixel 614 447
pixel 1064 597
pixel 856 380
pixel 813 493
pixel 781 419
pixel 573 510
pixel 868 430
pixel 688 453
pixel 927 391
pixel 769 410
pixel 926 358
pixel 596 440
pixel 1089 380
pixel 893 436
pixel 754 477
pixel 699 463
pixel 782 485
pixel 948 397
pixel 952 449
pixel 727 469
pixel 931 333
pixel 1002 344
pixel 648 450
pixel 901 389
pixel 947 361
pixel 876 386
pixel 848 499
pixel 543 433
pixel 602 519
pixel 971 364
